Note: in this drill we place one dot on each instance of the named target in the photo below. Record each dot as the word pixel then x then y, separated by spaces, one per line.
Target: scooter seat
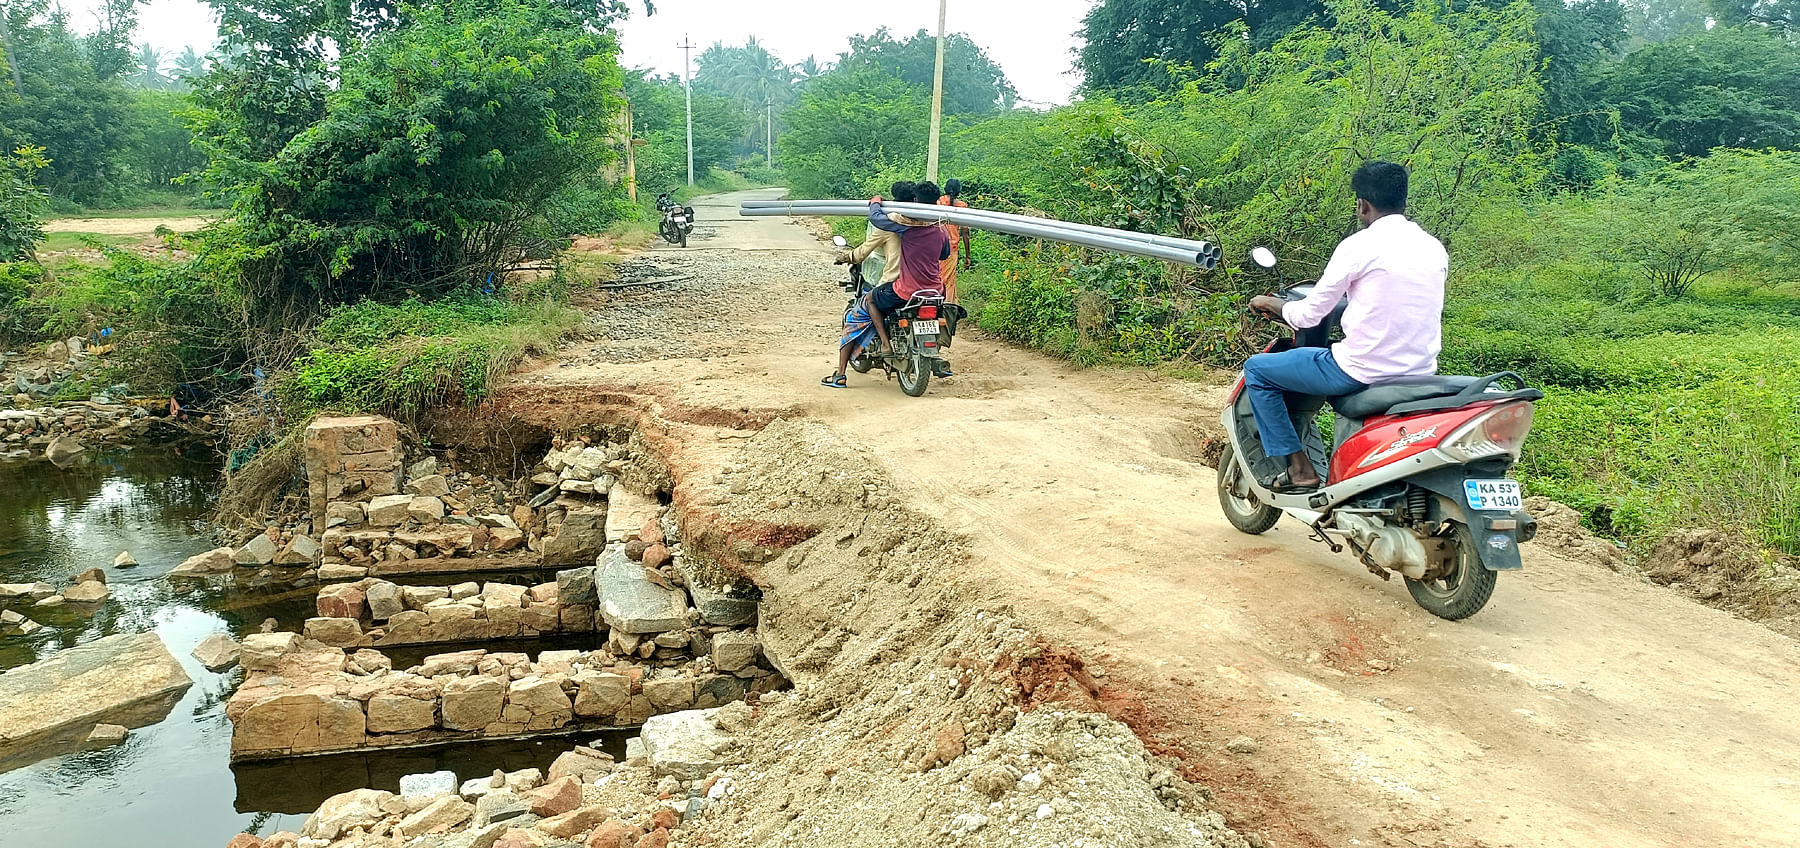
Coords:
pixel 1379 398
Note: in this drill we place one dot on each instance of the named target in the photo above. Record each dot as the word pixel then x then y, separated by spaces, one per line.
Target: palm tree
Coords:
pixel 189 64
pixel 753 77
pixel 149 72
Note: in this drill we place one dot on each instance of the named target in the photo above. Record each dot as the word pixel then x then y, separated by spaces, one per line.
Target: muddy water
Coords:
pixel 171 784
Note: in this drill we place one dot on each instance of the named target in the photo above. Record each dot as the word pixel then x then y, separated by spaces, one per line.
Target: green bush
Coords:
pixel 404 359
pixel 174 320
pixel 20 320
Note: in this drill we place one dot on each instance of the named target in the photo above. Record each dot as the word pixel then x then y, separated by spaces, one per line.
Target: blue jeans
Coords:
pixel 1271 377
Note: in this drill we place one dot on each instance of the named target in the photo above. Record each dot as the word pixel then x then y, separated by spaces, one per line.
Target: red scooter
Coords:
pixel 1415 480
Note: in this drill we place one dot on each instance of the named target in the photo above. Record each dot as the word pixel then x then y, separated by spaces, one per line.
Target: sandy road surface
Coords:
pixel 1580 708
pixel 125 226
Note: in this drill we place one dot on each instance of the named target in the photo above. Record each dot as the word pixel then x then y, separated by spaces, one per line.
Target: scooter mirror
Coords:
pixel 1263 257
pixel 839 241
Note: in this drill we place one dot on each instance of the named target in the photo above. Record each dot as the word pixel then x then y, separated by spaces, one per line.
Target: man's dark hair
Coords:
pixel 905 191
pixel 1383 184
pixel 953 187
pixel 927 192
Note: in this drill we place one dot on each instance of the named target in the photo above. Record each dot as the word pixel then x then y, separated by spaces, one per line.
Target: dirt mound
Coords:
pixel 1725 570
pixel 1561 533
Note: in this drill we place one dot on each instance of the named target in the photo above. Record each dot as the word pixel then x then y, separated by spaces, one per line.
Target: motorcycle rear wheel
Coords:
pixel 684 238
pixel 1464 589
pixel 915 373
pixel 1246 514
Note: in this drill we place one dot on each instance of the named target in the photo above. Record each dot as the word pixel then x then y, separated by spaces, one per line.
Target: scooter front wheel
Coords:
pixel 1244 511
pixel 1464 587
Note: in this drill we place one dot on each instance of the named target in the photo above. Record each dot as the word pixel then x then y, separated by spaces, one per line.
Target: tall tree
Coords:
pixel 149 74
pixel 68 104
pixel 754 80
pixel 423 164
pixel 1783 15
pixel 1123 40
pixel 1651 21
pixel 190 64
pixel 973 83
pixel 1726 87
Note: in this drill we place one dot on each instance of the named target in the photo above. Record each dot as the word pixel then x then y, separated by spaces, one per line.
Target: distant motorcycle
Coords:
pixel 677 221
pixel 915 329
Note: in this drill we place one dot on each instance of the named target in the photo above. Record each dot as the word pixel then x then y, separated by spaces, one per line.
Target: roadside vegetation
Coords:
pixel 1614 237
pixel 390 198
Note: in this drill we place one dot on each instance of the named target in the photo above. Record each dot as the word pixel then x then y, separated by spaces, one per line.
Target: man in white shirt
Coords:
pixel 1393 273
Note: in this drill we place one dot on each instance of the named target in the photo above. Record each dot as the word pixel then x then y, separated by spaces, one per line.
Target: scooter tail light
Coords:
pixel 927 312
pixel 1498 431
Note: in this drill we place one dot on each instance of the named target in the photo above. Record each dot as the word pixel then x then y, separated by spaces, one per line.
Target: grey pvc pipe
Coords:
pixel 1208 252
pixel 851 207
pixel 1204 255
pixel 1029 230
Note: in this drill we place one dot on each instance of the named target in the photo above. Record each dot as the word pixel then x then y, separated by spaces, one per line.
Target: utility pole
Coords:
pixel 769 139
pixel 687 82
pixel 12 60
pixel 937 97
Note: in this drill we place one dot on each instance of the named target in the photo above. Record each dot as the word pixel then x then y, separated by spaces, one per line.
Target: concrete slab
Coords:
pixel 52 704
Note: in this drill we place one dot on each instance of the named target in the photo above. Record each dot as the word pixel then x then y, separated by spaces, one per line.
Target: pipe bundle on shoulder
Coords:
pixel 1202 254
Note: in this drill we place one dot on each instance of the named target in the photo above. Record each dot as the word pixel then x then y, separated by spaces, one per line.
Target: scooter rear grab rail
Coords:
pixel 1480 390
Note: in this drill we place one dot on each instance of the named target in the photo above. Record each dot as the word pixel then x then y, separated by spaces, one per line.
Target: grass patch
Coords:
pixel 63 241
pixel 403 359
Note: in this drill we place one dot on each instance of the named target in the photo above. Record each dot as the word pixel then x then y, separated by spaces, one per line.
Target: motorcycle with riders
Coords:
pixel 918 329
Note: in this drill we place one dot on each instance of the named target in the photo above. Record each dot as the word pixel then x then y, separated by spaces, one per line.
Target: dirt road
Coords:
pixel 1580 708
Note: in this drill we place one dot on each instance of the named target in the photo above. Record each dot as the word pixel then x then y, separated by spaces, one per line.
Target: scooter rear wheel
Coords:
pixel 1462 590
pixel 1244 513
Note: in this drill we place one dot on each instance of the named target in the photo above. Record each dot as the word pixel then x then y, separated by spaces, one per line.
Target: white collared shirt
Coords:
pixel 1394 274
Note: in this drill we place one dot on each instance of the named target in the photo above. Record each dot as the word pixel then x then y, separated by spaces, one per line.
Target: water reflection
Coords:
pixel 171 784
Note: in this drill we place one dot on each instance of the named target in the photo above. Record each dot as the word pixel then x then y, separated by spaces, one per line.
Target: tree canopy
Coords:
pixel 973 83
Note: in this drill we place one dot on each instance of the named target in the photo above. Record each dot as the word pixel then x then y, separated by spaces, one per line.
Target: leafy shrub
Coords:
pixel 22 203
pixel 20 320
pixel 403 359
pixel 175 321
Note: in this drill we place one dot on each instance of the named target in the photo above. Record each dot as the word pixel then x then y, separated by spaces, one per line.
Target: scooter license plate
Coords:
pixel 925 328
pixel 1494 494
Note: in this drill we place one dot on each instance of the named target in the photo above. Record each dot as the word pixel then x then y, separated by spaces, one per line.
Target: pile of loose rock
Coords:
pixel 371 513
pixel 586 799
pixel 86 592
pixel 301 696
pixel 63 432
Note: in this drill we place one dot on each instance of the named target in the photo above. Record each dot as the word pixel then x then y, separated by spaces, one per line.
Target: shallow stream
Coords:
pixel 171 784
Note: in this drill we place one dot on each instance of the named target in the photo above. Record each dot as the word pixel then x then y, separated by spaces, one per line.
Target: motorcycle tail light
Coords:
pixel 1500 430
pixel 927 312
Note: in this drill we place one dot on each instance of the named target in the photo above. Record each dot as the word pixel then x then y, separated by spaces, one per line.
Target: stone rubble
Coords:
pixel 306 694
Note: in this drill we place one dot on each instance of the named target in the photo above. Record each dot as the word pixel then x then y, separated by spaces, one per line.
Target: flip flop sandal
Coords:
pixel 835 381
pixel 1283 484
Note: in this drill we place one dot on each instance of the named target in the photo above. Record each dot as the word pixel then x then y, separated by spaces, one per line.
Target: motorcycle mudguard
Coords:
pixel 1498 549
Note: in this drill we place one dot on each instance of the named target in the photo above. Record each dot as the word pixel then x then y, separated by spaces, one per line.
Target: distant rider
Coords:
pixel 1393 273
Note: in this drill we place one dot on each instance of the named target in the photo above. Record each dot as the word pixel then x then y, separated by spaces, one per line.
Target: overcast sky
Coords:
pixel 1031 41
